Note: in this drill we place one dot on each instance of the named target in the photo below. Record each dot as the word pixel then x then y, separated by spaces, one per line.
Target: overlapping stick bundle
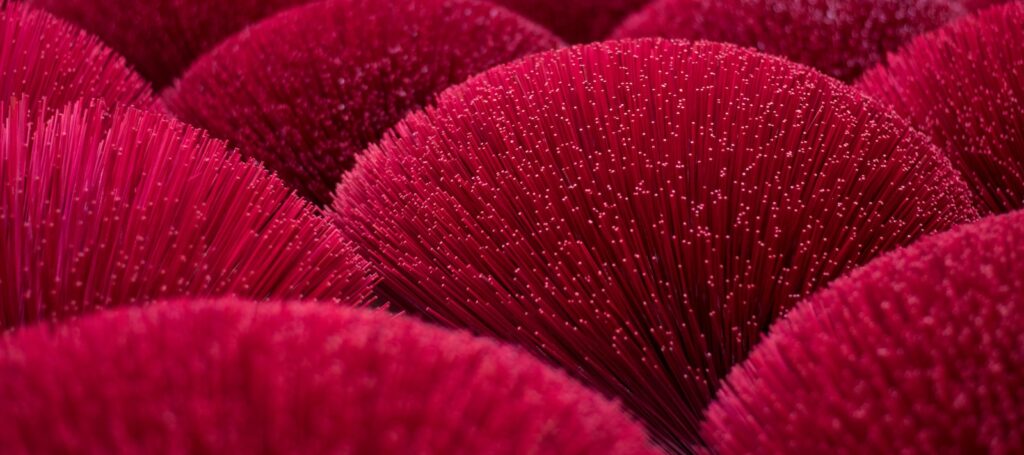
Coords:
pixel 511 226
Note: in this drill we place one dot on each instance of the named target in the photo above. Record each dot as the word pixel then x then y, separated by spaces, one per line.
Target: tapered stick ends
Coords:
pixel 324 80
pixel 44 57
pixel 841 38
pixel 918 351
pixel 106 206
pixel 964 86
pixel 242 377
pixel 639 212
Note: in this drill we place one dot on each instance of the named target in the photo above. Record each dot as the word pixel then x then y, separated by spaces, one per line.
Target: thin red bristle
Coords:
pixel 964 86
pixel 108 209
pixel 43 57
pixel 638 212
pixel 919 351
pixel 162 37
pixel 233 377
pixel 323 81
pixel 839 37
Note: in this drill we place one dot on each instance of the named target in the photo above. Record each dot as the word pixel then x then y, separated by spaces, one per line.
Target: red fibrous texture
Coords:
pixel 839 37
pixel 920 351
pixel 162 37
pixel 42 56
pixel 640 211
pixel 577 21
pixel 964 85
pixel 323 81
pixel 975 5
pixel 233 377
pixel 103 209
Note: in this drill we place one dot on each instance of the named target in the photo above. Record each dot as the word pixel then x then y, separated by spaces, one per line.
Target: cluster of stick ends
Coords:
pixel 675 246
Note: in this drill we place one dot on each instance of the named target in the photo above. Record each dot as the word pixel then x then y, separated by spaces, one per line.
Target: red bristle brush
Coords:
pixel 162 37
pixel 638 212
pixel 324 80
pixel 839 37
pixel 920 351
pixel 577 21
pixel 105 207
pixel 42 56
pixel 228 376
pixel 964 86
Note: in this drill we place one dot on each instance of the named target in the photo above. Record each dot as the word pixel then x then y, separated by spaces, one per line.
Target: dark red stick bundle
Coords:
pixel 162 37
pixel 976 5
pixel 920 351
pixel 640 211
pixel 234 377
pixel 102 209
pixel 323 81
pixel 41 56
pixel 578 21
pixel 964 86
pixel 839 37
